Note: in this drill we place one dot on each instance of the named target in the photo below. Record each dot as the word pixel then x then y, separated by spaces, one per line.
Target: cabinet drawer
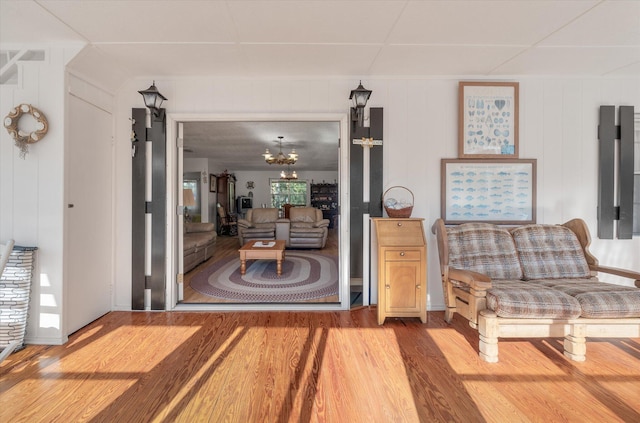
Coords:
pixel 400 254
pixel 400 232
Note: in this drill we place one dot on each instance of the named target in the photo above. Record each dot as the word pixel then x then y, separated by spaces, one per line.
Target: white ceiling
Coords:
pixel 348 38
pixel 239 145
pixel 342 38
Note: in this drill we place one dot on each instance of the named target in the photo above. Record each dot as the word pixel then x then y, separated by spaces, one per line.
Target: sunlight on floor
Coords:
pixel 125 344
pixel 202 373
pixel 531 366
pixel 104 380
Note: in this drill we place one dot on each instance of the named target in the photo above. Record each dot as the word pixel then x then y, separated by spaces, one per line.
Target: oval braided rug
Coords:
pixel 305 276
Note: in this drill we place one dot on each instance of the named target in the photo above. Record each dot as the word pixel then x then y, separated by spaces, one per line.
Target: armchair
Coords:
pixel 262 224
pixel 308 228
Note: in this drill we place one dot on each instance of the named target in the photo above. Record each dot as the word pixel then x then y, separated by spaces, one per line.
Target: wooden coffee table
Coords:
pixel 262 250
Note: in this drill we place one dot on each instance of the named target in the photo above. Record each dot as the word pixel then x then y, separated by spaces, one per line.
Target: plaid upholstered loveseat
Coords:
pixel 533 281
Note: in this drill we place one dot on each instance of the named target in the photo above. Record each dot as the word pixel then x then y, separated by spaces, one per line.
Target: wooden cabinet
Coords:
pixel 226 187
pixel 402 268
pixel 226 195
pixel 325 197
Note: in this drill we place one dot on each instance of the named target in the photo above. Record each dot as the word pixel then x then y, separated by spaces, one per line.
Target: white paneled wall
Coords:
pixel 32 191
pixel 558 127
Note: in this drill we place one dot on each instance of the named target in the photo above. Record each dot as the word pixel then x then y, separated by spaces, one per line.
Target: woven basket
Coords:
pixel 398 213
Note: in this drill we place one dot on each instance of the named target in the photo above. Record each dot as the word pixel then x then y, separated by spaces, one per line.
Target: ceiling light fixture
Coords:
pixel 288 175
pixel 153 99
pixel 360 96
pixel 280 159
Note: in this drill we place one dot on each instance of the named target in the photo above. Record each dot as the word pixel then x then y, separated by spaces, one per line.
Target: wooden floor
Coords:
pixel 311 367
pixel 227 246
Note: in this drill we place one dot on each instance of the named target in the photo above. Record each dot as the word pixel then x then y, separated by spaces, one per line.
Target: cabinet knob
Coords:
pixel 418 286
pixel 402 254
pixel 388 286
pixel 399 223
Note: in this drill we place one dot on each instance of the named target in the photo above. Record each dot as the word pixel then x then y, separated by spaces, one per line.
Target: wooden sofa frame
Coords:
pixel 471 304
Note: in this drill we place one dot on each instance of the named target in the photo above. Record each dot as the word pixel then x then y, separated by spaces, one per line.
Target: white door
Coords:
pixel 88 218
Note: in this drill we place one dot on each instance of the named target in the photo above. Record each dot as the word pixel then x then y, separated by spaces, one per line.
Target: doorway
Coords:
pixel 180 154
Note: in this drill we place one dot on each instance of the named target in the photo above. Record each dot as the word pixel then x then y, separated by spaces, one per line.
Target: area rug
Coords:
pixel 305 276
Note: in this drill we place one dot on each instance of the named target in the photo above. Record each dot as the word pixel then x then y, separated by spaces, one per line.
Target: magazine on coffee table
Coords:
pixel 264 244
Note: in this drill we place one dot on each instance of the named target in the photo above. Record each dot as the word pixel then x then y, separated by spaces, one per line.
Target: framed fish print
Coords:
pixel 488 120
pixel 501 191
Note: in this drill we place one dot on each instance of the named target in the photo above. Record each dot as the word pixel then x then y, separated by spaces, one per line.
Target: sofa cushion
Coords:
pixel 307 232
pixel 253 232
pixel 303 214
pixel 199 239
pixel 604 300
pixel 562 281
pixel 189 245
pixel 534 302
pixel 302 225
pixel 483 248
pixel 550 252
pixel 191 227
pixel 617 304
pixel 268 226
pixel 264 216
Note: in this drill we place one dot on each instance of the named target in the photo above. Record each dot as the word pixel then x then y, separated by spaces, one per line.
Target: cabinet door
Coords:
pixel 222 185
pixel 400 232
pixel 402 290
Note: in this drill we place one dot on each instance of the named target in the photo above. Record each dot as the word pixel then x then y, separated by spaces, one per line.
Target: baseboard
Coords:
pixel 45 340
pixel 120 308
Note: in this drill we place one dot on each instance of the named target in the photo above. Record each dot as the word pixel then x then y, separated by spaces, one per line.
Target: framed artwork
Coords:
pixel 213 182
pixel 501 191
pixel 488 119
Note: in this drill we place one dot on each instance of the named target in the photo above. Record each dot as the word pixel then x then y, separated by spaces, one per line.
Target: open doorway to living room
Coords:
pixel 270 187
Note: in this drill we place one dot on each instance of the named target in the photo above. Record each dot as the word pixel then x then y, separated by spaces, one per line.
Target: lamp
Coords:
pixel 288 175
pixel 281 159
pixel 188 200
pixel 360 96
pixel 153 99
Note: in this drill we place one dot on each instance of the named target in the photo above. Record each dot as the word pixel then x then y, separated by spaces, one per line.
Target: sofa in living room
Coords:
pixel 533 281
pixel 308 228
pixel 199 241
pixel 305 227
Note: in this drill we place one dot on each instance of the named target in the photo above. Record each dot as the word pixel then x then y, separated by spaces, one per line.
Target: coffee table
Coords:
pixel 273 250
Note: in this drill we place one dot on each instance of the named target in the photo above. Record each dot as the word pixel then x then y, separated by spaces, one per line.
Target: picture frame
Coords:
pixel 213 182
pixel 488 120
pixel 500 191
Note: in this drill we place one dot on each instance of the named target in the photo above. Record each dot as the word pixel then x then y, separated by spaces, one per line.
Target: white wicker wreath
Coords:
pixel 22 138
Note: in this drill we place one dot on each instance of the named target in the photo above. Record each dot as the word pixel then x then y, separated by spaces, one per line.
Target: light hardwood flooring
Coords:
pixel 311 367
pixel 227 246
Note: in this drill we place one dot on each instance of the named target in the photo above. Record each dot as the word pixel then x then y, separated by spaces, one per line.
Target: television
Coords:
pixel 244 203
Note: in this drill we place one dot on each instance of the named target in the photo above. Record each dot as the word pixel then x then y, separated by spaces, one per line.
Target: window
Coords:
pixel 636 177
pixel 288 192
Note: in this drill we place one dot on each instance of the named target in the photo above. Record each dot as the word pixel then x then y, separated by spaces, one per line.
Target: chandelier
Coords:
pixel 288 175
pixel 280 159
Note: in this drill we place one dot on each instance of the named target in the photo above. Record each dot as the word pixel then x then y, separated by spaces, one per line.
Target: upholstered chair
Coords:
pixel 308 228
pixel 262 224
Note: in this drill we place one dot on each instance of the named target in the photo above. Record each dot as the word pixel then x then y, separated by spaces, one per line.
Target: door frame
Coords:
pixel 174 206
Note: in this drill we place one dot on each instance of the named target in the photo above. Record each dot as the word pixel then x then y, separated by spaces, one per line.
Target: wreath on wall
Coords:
pixel 22 138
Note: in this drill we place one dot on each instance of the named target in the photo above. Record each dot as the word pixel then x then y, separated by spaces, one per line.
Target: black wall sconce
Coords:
pixel 360 96
pixel 153 100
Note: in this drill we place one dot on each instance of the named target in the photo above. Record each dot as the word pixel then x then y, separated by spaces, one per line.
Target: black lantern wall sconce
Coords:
pixel 360 96
pixel 153 100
